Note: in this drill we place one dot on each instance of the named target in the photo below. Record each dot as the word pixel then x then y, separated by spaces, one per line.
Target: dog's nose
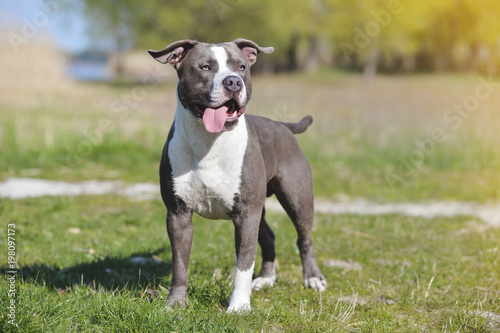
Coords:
pixel 232 83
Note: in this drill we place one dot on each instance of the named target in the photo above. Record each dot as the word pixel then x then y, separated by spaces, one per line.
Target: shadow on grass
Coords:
pixel 139 269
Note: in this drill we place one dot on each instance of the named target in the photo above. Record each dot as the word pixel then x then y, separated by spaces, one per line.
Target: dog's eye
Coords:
pixel 242 67
pixel 206 68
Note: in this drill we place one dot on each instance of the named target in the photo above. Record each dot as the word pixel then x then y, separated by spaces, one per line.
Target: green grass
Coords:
pixel 360 144
pixel 418 275
pixel 365 169
pixel 85 282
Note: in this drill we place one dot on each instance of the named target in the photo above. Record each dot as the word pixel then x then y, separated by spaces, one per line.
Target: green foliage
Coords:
pixel 405 34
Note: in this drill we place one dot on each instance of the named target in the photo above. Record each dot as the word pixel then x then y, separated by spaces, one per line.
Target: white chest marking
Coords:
pixel 206 167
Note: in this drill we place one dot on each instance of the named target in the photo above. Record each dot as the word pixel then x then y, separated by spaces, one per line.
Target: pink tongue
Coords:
pixel 214 119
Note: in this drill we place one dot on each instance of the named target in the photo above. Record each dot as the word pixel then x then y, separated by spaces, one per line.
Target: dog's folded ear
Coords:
pixel 251 49
pixel 175 52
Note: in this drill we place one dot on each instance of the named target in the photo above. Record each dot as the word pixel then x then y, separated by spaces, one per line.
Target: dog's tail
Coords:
pixel 301 126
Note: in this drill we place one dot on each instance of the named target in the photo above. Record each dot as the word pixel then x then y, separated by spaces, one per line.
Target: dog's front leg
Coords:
pixel 246 231
pixel 180 233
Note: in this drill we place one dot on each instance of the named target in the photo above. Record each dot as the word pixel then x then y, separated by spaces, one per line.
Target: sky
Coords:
pixel 67 28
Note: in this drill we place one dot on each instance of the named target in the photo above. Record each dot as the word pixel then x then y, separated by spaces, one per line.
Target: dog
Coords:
pixel 221 163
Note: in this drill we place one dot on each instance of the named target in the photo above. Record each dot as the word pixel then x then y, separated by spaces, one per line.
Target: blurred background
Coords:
pixel 405 94
pixel 369 36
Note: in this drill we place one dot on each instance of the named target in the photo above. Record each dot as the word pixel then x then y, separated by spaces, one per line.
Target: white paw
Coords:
pixel 239 307
pixel 261 282
pixel 242 289
pixel 316 284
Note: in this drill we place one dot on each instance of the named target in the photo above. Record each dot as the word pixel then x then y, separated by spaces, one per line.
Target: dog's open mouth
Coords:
pixel 216 118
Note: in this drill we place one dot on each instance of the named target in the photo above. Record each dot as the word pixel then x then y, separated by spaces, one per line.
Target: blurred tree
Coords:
pixel 465 35
pixel 367 34
pixel 114 22
pixel 298 25
pixel 367 31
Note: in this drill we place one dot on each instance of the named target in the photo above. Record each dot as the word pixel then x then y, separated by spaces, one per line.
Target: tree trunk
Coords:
pixel 409 63
pixel 118 55
pixel 370 69
pixel 492 62
pixel 311 62
pixel 117 64
pixel 291 54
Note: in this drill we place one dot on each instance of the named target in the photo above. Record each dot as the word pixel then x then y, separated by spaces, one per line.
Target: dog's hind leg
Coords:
pixel 296 197
pixel 267 274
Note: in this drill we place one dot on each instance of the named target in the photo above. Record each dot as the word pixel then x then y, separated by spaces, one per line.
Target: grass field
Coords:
pixel 396 274
pixel 363 142
pixel 103 264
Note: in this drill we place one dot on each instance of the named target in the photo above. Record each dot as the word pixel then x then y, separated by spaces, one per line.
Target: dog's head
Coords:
pixel 214 79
